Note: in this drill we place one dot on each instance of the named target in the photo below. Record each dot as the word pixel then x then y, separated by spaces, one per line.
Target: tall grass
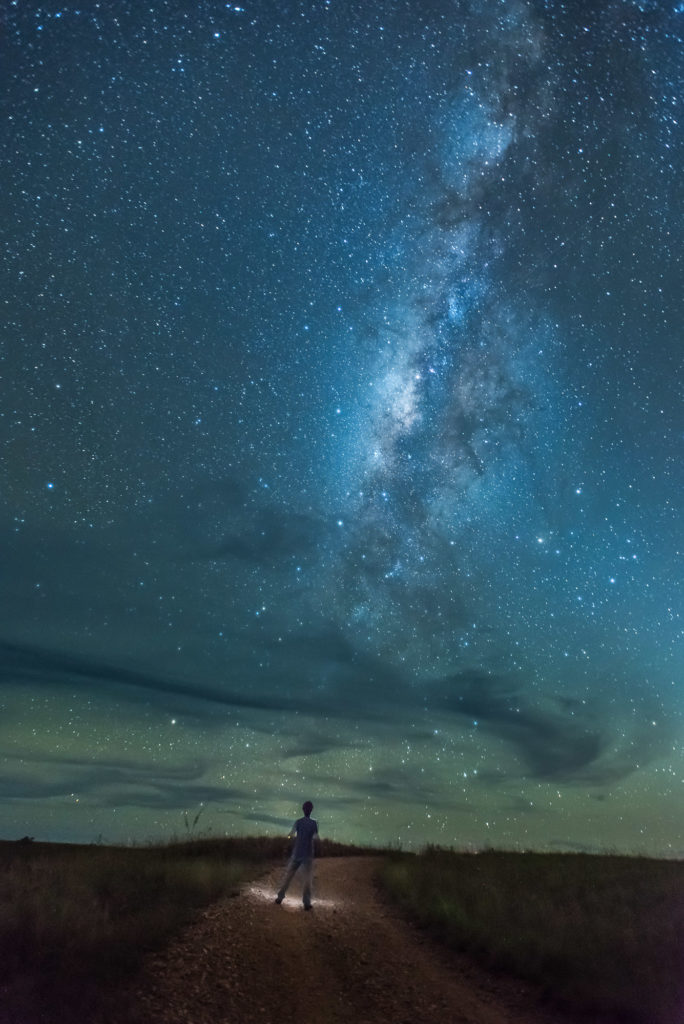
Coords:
pixel 603 933
pixel 75 921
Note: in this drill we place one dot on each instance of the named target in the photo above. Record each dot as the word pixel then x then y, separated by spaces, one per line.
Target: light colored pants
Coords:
pixel 306 864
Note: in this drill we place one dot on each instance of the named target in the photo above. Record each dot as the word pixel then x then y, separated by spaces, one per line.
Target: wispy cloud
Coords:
pixel 321 675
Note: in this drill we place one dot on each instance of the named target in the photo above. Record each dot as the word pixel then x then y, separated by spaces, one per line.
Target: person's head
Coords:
pixel 307 807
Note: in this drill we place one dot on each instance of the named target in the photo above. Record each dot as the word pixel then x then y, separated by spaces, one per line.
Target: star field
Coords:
pixel 341 421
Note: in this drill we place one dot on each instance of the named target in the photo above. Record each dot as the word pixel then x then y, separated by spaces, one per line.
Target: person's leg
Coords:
pixel 289 875
pixel 307 868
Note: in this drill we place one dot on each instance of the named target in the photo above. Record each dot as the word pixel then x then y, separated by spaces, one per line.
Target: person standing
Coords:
pixel 304 830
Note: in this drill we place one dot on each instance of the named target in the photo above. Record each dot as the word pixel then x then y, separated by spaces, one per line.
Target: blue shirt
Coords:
pixel 305 829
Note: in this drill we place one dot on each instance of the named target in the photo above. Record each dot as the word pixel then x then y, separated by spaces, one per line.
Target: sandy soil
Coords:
pixel 352 958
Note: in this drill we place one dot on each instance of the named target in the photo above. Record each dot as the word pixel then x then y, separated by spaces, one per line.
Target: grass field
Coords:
pixel 596 932
pixel 75 921
pixel 603 933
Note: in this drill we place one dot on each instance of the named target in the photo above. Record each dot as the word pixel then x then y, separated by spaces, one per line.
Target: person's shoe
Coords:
pixel 279 899
pixel 308 906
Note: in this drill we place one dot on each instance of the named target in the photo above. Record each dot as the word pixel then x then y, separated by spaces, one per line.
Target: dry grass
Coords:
pixel 603 933
pixel 75 921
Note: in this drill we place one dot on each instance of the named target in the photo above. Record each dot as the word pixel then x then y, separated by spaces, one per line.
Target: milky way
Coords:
pixel 342 421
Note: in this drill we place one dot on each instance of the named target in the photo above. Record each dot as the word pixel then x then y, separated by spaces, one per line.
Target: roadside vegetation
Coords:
pixel 597 933
pixel 75 921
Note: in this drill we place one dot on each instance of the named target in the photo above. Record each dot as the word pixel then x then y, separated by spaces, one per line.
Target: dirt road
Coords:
pixel 351 960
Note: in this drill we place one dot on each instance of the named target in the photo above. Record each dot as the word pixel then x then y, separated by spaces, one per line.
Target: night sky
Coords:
pixel 341 421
